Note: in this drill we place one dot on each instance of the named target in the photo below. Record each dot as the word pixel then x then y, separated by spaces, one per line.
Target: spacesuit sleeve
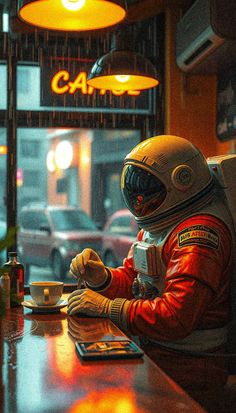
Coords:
pixel 196 284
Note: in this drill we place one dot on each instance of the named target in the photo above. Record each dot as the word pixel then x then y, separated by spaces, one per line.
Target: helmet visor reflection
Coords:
pixel 142 191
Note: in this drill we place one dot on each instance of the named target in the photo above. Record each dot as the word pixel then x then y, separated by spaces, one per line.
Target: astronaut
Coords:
pixel 172 290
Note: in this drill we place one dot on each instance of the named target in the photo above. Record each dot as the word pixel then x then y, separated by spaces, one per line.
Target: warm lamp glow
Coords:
pixel 72 15
pixel 3 149
pixel 135 82
pixel 122 78
pixel 73 5
pixel 64 155
pixel 123 70
pixel 50 161
pixel 85 159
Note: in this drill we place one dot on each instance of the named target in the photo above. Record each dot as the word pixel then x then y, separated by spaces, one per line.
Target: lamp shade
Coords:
pixel 71 15
pixel 123 70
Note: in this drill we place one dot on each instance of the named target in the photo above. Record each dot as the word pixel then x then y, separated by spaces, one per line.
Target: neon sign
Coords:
pixel 62 84
pixel 64 87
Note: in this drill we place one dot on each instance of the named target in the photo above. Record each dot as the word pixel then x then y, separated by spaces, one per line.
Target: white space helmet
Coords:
pixel 165 177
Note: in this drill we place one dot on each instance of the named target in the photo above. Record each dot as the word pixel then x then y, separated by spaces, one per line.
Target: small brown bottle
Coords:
pixel 16 273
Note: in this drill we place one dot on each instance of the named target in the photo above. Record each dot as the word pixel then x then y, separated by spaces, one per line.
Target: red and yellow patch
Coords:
pixel 198 234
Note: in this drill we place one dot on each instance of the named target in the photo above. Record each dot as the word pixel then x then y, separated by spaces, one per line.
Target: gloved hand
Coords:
pixel 87 266
pixel 88 302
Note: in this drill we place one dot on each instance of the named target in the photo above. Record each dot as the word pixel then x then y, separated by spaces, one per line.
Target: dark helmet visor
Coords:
pixel 142 191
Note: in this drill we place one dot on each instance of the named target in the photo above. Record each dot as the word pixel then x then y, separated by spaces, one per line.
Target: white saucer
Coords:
pixel 44 308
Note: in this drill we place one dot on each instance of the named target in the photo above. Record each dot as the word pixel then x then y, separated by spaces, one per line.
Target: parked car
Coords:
pixel 53 235
pixel 119 233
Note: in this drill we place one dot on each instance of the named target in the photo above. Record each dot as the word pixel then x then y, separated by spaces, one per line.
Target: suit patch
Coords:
pixel 198 234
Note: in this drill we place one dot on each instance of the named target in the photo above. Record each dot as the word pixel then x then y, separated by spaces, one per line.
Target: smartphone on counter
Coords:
pixel 104 350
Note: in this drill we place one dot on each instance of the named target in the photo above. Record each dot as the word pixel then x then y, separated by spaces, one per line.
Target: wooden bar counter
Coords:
pixel 42 372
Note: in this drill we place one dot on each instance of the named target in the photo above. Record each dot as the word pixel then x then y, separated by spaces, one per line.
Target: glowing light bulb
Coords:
pixel 63 155
pixel 73 5
pixel 51 161
pixel 122 78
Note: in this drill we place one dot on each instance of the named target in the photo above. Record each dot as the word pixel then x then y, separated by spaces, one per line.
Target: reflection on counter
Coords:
pixel 97 328
pixel 124 402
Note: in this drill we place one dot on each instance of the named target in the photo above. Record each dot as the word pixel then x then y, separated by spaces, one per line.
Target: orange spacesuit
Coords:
pixel 195 291
pixel 172 291
pixel 190 316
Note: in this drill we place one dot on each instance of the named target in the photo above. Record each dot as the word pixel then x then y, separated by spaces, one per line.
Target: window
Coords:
pixel 3 94
pixel 31 178
pixel 29 148
pixel 23 84
pixel 33 220
pixel 122 225
pixel 71 221
pixel 100 143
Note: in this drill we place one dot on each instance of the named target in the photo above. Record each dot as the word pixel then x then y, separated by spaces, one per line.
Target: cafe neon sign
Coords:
pixel 61 84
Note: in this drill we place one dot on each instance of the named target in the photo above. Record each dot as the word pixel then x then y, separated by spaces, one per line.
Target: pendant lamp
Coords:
pixel 72 15
pixel 122 69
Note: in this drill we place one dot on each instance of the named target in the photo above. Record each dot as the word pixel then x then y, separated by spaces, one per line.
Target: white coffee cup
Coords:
pixel 46 292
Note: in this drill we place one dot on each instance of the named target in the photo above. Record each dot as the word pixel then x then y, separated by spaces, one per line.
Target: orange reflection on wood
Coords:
pixel 63 368
pixel 111 400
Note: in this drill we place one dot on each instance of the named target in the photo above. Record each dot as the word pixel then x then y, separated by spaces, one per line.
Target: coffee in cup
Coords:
pixel 46 292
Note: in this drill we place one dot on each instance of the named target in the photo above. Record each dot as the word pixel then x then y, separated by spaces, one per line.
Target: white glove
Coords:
pixel 88 302
pixel 87 266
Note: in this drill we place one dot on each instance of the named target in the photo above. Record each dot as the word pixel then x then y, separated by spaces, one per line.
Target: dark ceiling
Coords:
pixel 139 10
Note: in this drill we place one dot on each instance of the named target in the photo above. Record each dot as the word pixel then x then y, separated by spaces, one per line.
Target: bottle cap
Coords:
pixel 12 254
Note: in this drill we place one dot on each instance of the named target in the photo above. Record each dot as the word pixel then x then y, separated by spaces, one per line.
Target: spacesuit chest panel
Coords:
pixel 148 262
pixel 147 254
